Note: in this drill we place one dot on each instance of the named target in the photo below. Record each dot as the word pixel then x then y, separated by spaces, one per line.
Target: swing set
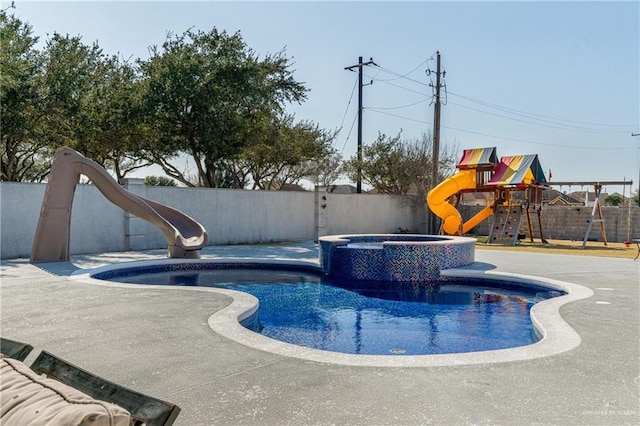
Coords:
pixel 598 185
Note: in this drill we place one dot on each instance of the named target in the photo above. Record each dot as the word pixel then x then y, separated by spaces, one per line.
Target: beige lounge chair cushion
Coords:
pixel 27 398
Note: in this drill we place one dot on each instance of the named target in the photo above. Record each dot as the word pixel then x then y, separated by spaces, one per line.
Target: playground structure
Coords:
pixel 514 186
pixel 185 236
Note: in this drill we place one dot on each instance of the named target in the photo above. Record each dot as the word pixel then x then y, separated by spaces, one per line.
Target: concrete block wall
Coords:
pixel 20 206
pixel 381 214
pixel 570 223
pixel 230 216
pixel 96 224
pixel 244 217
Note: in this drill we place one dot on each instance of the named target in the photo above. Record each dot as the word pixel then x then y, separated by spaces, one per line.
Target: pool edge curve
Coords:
pixel 557 335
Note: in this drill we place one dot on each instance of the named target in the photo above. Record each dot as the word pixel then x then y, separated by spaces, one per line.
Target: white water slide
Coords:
pixel 184 235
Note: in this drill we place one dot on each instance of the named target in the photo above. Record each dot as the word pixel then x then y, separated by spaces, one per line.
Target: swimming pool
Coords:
pixel 557 335
pixel 299 306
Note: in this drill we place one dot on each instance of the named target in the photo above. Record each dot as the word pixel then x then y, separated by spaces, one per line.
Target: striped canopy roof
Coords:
pixel 478 158
pixel 518 170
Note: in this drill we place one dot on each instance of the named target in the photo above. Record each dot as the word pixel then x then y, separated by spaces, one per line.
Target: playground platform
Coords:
pixel 158 342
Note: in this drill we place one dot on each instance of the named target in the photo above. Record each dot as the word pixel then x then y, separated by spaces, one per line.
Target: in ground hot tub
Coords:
pixel 393 257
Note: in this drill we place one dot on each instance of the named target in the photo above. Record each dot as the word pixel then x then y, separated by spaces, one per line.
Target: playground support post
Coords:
pixel 596 207
pixel 629 217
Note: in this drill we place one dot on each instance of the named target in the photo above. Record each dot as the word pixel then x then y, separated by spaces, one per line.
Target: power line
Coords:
pixel 554 121
pixel 353 90
pixel 401 76
pixel 599 148
pixel 539 119
pixel 399 116
pixel 531 114
pixel 401 106
pixel 355 117
pixel 603 148
pixel 552 124
pixel 398 86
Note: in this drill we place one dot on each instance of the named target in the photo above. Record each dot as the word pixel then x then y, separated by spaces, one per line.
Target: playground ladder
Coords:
pixel 506 225
pixel 538 224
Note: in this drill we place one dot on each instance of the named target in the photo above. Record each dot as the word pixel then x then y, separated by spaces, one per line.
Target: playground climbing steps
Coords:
pixel 534 227
pixel 506 225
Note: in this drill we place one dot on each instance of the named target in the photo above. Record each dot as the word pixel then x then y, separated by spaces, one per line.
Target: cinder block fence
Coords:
pixel 246 217
pixel 230 216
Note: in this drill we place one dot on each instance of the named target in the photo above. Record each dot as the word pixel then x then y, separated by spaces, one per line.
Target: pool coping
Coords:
pixel 557 335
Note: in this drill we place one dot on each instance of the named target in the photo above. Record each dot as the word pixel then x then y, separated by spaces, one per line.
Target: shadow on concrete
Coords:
pixel 479 266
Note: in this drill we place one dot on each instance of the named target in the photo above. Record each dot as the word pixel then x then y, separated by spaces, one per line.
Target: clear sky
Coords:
pixel 557 79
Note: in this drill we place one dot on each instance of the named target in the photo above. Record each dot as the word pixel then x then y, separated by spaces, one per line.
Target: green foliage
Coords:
pixel 284 153
pixel 326 169
pixel 206 95
pixel 613 200
pixel 120 133
pixel 92 103
pixel 382 166
pixel 24 155
pixel 159 181
pixel 72 73
pixel 395 166
pixel 69 94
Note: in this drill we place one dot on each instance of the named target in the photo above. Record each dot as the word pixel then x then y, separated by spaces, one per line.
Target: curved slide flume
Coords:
pixel 184 235
pixel 451 218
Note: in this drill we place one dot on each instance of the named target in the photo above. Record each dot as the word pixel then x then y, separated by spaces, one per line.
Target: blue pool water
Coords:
pixel 371 317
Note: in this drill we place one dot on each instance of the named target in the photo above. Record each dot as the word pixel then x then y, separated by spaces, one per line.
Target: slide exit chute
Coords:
pixel 437 199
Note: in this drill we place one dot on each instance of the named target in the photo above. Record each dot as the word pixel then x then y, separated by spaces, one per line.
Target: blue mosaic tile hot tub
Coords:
pixel 393 257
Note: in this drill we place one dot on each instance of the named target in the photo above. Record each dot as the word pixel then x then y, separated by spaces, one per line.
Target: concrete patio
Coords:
pixel 158 341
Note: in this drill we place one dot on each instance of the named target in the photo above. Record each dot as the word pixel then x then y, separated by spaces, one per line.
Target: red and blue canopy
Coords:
pixel 478 158
pixel 518 170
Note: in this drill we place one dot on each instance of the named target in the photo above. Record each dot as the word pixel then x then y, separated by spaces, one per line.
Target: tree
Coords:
pixel 159 181
pixel 206 94
pixel 93 104
pixel 285 153
pixel 420 160
pixel 613 200
pixel 395 166
pixel 69 94
pixel 120 134
pixel 72 74
pixel 327 169
pixel 382 166
pixel 24 155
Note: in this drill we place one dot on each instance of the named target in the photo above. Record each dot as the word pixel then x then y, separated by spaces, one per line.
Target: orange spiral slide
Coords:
pixel 437 200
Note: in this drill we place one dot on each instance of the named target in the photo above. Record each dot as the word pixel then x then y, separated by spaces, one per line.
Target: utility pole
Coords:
pixel 436 130
pixel 359 65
